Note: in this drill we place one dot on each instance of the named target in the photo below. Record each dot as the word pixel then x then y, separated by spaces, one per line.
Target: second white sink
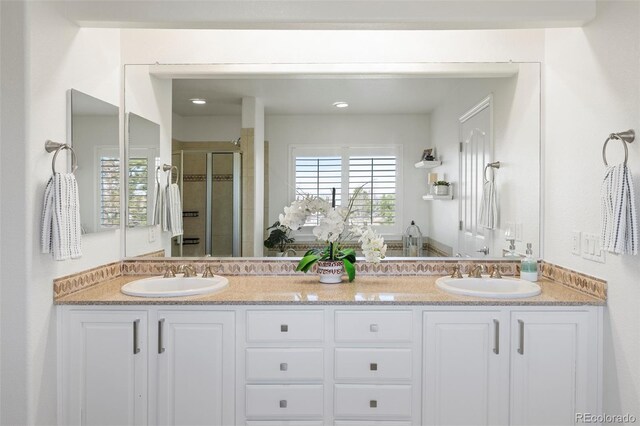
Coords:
pixel 173 287
pixel 499 288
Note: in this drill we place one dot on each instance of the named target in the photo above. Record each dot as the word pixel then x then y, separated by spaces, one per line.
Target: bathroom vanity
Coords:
pixel 286 350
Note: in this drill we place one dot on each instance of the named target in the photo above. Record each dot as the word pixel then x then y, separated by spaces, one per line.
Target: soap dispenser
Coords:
pixel 529 266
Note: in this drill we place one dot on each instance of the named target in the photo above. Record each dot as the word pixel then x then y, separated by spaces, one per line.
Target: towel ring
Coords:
pixel 625 137
pixel 51 146
pixel 171 175
pixel 494 165
pixel 164 168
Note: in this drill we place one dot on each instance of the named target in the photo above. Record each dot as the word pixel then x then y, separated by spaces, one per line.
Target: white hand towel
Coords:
pixel 174 210
pixel 61 231
pixel 488 206
pixel 159 217
pixel 619 224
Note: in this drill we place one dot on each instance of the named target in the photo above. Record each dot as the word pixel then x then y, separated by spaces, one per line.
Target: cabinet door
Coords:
pixel 466 368
pixel 105 361
pixel 549 377
pixel 196 373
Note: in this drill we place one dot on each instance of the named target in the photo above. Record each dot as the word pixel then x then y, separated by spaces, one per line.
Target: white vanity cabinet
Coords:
pixel 554 366
pixel 147 366
pixel 264 365
pixel 103 367
pixel 466 368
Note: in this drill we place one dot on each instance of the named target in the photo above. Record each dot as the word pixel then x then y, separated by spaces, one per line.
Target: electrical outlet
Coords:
pixel 576 236
pixel 591 249
pixel 519 235
pixel 152 233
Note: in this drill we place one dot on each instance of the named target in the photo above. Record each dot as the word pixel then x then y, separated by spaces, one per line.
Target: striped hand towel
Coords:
pixel 174 210
pixel 61 231
pixel 619 224
pixel 488 206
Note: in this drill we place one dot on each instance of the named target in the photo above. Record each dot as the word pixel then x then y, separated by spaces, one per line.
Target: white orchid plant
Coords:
pixel 334 229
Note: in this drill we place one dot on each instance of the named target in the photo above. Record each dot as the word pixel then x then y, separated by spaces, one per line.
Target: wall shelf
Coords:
pixel 428 164
pixel 431 197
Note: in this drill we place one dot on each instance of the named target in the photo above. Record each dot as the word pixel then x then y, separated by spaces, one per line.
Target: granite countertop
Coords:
pixel 306 290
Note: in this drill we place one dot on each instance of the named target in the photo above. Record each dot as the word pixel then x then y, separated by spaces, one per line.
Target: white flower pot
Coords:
pixel 330 271
pixel 441 190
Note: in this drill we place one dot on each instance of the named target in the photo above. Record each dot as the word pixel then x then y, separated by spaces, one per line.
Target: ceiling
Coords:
pixel 312 95
pixel 322 14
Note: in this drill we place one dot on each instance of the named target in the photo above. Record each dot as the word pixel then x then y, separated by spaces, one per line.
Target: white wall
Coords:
pixel 516 117
pixel 47 56
pixel 592 88
pixel 409 131
pixel 213 128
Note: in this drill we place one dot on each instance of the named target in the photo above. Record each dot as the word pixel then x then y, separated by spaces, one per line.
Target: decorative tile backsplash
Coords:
pixel 233 266
pixel 584 283
pixel 76 282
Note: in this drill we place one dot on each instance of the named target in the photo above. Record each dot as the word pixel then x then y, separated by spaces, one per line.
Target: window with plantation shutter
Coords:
pixel 376 201
pixel 109 192
pixel 374 169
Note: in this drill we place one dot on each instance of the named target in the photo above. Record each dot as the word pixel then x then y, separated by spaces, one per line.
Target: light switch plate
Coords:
pixel 152 234
pixel 591 249
pixel 576 236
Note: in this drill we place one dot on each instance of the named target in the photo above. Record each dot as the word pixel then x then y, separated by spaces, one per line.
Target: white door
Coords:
pixel 105 361
pixel 476 150
pixel 466 368
pixel 549 358
pixel 196 373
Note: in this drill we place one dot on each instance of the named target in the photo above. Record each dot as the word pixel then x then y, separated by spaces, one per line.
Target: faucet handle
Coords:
pixel 456 271
pixel 169 271
pixel 495 272
pixel 208 272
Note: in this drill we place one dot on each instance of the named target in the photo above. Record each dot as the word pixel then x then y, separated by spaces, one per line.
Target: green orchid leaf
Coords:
pixel 350 269
pixel 349 254
pixel 307 262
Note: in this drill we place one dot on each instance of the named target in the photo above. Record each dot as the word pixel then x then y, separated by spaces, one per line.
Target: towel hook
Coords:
pixel 164 168
pixel 494 165
pixel 51 146
pixel 625 137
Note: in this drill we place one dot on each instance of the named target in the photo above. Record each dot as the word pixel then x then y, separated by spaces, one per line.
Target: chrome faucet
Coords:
pixel 477 270
pixel 208 272
pixel 188 270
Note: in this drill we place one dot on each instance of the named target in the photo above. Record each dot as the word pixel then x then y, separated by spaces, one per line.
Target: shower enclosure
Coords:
pixel 211 185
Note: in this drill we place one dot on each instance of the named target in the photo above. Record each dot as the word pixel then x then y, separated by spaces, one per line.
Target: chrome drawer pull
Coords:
pixel 521 343
pixel 496 337
pixel 373 403
pixel 283 403
pixel 283 366
pixel 284 328
pixel 160 336
pixel 373 328
pixel 373 366
pixel 136 346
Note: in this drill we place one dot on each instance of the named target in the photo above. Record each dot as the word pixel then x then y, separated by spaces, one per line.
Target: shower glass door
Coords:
pixel 211 188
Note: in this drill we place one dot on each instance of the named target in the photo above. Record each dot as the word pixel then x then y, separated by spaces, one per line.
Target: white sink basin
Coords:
pixel 172 287
pixel 499 288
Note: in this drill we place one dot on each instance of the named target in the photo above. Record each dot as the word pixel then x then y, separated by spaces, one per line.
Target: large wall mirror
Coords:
pixel 93 132
pixel 452 148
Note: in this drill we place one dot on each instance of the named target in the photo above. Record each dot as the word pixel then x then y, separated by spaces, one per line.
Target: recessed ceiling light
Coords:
pixel 198 101
pixel 340 104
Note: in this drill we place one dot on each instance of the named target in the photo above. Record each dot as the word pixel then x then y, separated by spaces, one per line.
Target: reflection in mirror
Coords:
pixel 94 136
pixel 419 143
pixel 143 159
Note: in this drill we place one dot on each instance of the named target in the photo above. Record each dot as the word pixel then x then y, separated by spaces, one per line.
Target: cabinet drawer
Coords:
pixel 373 401
pixel 285 326
pixel 284 401
pixel 372 364
pixel 373 326
pixel 266 364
